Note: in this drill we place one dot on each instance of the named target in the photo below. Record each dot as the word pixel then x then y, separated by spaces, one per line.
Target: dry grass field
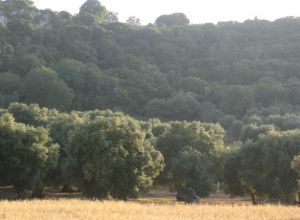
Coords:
pixel 109 210
pixel 155 205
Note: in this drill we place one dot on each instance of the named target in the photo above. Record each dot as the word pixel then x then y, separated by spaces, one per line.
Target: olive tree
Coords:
pixel 59 128
pixel 112 156
pixel 262 168
pixel 26 154
pixel 192 152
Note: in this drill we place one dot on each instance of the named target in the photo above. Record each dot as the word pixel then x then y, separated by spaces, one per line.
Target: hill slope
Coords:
pixel 222 73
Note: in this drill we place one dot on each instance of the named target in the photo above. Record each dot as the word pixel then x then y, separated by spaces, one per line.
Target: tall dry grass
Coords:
pixel 109 210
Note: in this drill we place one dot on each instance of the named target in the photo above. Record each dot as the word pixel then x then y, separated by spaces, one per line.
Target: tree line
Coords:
pixel 107 154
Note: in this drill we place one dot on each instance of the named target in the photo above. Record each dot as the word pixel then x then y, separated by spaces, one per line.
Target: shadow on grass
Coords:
pixel 153 197
pixel 8 193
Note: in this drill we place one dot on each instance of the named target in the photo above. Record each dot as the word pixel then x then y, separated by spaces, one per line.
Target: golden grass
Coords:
pixel 110 210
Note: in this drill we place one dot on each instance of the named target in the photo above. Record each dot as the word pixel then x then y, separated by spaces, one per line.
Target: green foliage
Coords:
pixel 181 106
pixel 194 169
pixel 20 19
pixel 73 73
pixel 59 129
pixel 173 19
pixel 43 86
pixel 111 156
pixel 9 83
pixel 252 131
pixel 296 164
pixel 92 12
pixel 262 167
pixel 171 71
pixel 193 84
pixel 9 88
pixel 236 100
pixel 32 114
pixel 26 154
pixel 133 20
pixel 192 154
pixel 3 111
pixel 231 174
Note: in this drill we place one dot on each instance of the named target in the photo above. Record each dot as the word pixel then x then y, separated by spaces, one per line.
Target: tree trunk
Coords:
pixel 68 188
pixel 39 192
pixel 20 193
pixel 253 199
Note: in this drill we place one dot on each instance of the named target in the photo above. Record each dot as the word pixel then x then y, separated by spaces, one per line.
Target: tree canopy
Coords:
pixel 173 19
pixel 112 156
pixel 26 154
pixel 192 152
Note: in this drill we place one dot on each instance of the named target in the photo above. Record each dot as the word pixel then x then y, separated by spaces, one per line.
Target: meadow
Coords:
pixel 113 210
pixel 156 205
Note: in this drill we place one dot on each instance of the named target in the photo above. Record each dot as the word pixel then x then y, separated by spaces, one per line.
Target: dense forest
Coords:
pixel 241 80
pixel 231 73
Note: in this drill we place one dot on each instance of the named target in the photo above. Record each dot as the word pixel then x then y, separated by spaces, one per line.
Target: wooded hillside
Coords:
pixel 231 73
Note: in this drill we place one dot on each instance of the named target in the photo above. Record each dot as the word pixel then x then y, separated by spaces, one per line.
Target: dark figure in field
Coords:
pixel 187 195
